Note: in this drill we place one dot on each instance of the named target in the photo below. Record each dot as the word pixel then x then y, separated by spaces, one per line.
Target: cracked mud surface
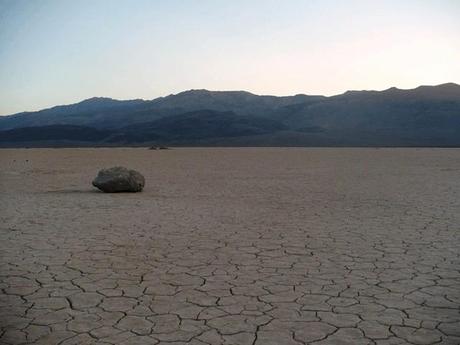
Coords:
pixel 231 246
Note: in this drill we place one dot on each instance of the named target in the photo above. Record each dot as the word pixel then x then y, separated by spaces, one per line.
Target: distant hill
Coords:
pixel 424 116
pixel 110 113
pixel 54 132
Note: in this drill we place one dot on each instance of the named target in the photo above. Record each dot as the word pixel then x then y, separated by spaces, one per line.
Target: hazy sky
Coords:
pixel 63 51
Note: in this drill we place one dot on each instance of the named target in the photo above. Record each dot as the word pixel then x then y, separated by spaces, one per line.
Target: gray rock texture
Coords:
pixel 119 179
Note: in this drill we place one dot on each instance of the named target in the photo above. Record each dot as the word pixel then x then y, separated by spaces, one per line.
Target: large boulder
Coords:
pixel 119 179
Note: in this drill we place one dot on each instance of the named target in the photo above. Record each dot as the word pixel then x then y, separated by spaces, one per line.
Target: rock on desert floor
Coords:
pixel 231 246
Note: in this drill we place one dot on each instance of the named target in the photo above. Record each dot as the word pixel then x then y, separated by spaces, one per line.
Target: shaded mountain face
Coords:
pixel 109 113
pixel 425 116
pixel 53 133
pixel 240 102
pixel 390 109
pixel 89 112
pixel 197 125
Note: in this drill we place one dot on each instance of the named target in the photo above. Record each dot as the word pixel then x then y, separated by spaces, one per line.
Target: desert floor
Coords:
pixel 231 246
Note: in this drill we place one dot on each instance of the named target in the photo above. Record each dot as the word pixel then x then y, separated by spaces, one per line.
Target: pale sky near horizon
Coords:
pixel 63 51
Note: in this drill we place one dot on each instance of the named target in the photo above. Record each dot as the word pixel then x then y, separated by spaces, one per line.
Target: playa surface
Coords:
pixel 231 246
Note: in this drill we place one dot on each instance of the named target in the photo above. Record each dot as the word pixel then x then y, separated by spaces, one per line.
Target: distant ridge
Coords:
pixel 423 116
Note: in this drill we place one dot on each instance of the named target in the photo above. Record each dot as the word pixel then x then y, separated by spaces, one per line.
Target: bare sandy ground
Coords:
pixel 231 246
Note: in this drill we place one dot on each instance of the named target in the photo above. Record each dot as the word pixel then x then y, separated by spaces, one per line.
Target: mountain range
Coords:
pixel 424 116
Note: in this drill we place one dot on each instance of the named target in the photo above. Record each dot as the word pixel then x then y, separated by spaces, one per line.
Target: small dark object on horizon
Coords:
pixel 119 179
pixel 158 148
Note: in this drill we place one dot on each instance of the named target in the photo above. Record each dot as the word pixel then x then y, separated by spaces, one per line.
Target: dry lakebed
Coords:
pixel 235 246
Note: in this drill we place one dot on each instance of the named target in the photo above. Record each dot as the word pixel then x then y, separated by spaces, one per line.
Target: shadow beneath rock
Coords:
pixel 73 191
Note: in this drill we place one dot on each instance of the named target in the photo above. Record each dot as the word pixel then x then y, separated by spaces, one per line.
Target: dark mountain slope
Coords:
pixel 53 133
pixel 393 109
pixel 424 116
pixel 197 125
pixel 86 113
pixel 184 128
pixel 240 102
pixel 109 113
